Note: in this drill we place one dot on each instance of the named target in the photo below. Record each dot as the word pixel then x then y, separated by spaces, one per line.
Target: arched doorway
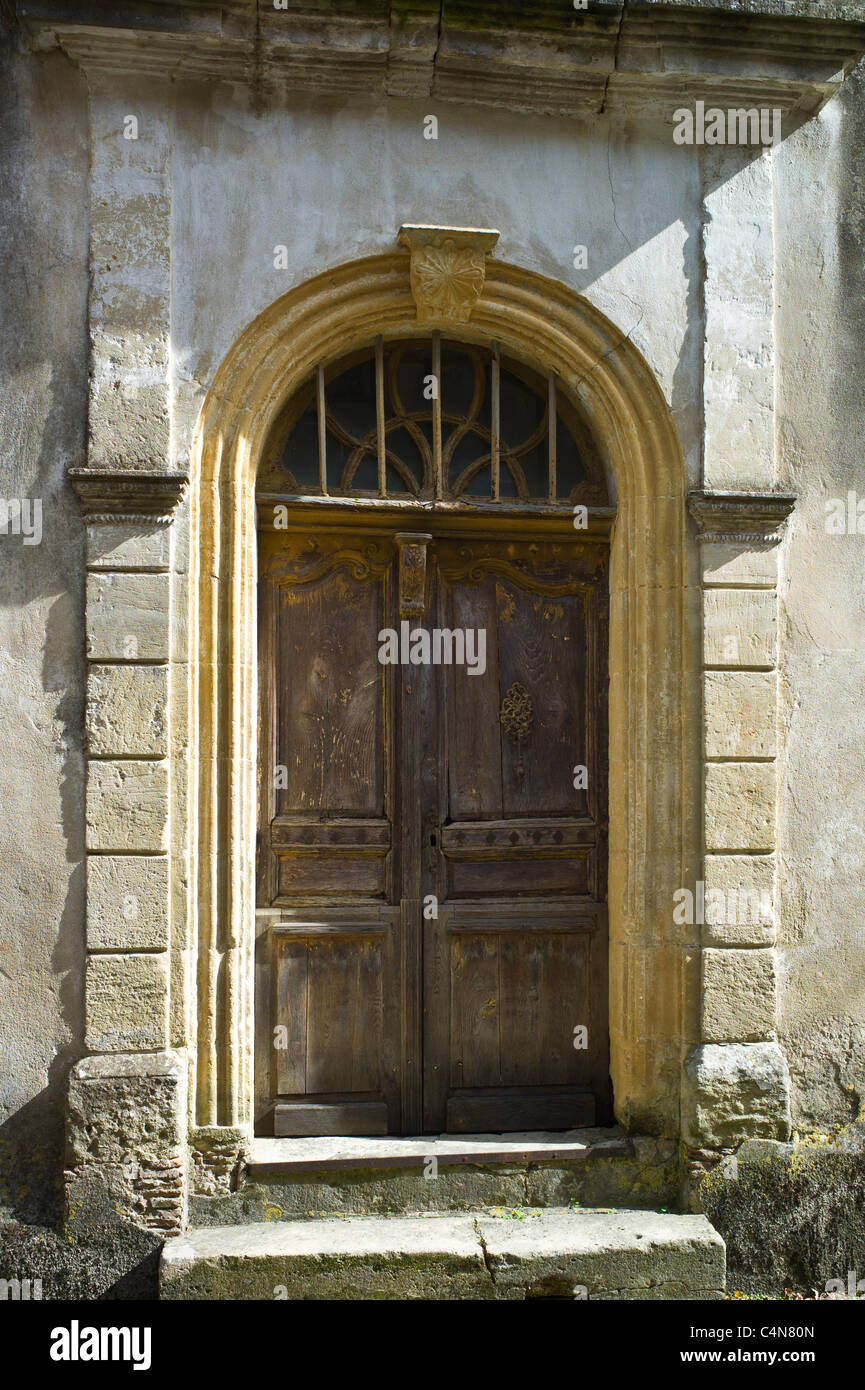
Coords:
pixel 431 944
pixel 654 704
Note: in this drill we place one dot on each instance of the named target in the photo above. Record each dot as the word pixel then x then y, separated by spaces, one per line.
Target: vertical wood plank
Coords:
pixel 292 1004
pixel 476 1056
pixel 438 481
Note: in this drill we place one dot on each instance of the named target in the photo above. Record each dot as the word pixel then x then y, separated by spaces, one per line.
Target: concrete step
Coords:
pixel 552 1253
pixel 285 1179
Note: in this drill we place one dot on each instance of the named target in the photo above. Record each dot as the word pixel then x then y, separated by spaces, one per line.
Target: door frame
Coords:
pixel 655 708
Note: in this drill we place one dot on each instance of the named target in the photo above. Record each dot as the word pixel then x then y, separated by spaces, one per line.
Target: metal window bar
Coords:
pixel 322 431
pixel 495 421
pixel 379 415
pixel 551 435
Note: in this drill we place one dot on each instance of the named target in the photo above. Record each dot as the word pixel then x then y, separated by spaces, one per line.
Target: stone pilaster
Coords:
pixel 736 1079
pixel 127 1117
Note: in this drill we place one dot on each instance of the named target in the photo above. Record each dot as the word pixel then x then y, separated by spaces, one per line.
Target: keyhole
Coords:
pixel 433 839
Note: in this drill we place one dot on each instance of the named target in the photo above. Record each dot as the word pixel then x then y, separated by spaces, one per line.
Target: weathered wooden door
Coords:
pixel 432 949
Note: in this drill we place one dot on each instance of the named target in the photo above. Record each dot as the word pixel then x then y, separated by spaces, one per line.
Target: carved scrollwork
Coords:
pixel 360 566
pixel 478 567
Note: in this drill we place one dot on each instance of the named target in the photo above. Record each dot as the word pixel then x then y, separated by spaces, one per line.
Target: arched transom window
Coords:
pixel 432 420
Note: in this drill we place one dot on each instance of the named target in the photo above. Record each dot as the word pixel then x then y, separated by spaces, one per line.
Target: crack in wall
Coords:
pixel 615 66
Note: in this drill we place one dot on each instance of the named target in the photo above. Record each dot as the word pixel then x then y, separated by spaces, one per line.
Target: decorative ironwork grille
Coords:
pixel 433 420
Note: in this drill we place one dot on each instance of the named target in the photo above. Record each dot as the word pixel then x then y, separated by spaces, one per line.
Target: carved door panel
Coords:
pixel 327 959
pixel 431 884
pixel 515 1024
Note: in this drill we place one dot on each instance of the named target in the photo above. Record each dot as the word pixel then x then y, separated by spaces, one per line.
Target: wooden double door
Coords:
pixel 431 856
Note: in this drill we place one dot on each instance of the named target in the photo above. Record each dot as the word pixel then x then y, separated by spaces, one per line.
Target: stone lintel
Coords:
pixel 756 517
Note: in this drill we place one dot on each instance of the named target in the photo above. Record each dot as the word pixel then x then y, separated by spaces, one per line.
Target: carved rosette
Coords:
pixel 447 269
pixel 446 281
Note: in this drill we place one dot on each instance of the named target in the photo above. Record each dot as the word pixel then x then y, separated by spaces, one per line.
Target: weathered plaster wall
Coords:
pixel 334 181
pixel 43 394
pixel 820 218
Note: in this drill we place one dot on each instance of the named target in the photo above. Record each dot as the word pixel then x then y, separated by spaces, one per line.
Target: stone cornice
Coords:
pixel 545 57
pixel 113 495
pixel 741 516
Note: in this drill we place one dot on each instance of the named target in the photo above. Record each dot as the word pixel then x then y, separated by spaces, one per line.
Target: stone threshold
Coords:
pixel 270 1158
pixel 551 1254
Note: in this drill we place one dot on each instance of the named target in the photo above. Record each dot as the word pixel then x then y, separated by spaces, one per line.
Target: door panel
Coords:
pixel 404 786
pixel 517 960
pixel 328 983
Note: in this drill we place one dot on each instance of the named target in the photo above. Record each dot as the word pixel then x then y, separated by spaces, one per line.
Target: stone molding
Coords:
pixel 109 496
pixel 748 517
pixel 545 57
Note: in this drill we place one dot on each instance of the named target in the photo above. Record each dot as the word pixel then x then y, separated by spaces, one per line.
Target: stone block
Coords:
pixel 126 1002
pixel 363 1258
pixel 128 419
pixel 740 627
pixel 125 1143
pixel 125 1105
pixel 127 711
pixel 128 617
pixel 739 714
pixel 127 903
pixel 127 806
pixel 624 1255
pixel 738 999
pixel 735 1091
pixel 738 563
pixel 128 546
pixel 745 884
pixel 740 806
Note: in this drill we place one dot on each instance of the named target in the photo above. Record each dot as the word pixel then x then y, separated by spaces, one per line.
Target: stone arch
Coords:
pixel 654 843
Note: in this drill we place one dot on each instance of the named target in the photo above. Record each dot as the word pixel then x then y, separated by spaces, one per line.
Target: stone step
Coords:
pixel 285 1179
pixel 552 1253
